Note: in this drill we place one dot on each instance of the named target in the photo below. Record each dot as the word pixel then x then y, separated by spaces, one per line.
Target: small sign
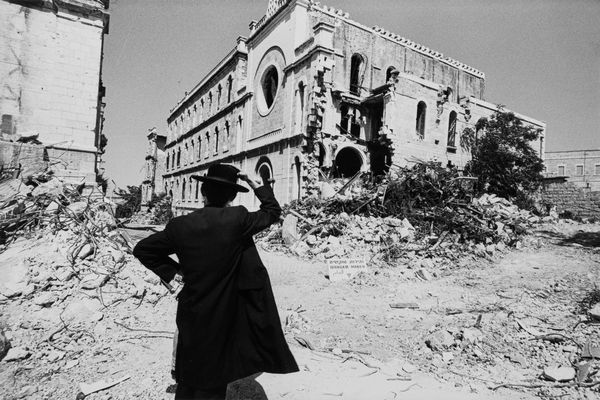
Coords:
pixel 341 269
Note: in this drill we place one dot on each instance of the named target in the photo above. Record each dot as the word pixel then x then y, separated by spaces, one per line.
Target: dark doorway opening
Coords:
pixel 379 148
pixel 347 163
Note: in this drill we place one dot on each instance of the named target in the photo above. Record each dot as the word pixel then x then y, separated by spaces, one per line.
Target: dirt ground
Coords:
pixel 474 326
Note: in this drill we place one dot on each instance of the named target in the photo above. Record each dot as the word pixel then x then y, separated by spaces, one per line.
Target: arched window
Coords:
pixel 356 73
pixel 227 138
pixel 216 139
pixel 186 154
pixel 219 93
pixel 207 151
pixel 298 177
pixel 199 148
pixel 300 107
pixel 183 189
pixel 452 130
pixel 201 109
pixel 229 88
pixel 210 103
pixel 421 113
pixel 264 169
pixel 193 153
pixel 190 192
pixel 178 157
pixel 197 186
pixel 168 162
pixel 389 72
pixel 195 116
pixel 270 84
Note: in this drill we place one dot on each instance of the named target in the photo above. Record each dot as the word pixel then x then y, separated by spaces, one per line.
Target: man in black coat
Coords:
pixel 228 323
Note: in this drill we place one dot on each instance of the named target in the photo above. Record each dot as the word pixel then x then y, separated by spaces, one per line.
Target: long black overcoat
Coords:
pixel 228 323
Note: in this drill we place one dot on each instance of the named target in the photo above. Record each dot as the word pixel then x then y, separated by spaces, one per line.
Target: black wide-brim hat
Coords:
pixel 223 174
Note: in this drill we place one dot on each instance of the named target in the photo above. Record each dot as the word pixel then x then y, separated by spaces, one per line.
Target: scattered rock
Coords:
pixel 44 299
pixel 70 364
pixel 52 208
pixel 86 251
pixel 595 312
pixel 440 340
pixel 16 354
pixel 53 187
pixel 26 392
pixel 447 356
pixel 424 274
pixel 471 335
pixel 559 374
pixel 4 344
pixel 78 207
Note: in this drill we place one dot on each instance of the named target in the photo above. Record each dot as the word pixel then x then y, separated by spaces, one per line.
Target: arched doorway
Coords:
pixel 348 162
pixel 264 169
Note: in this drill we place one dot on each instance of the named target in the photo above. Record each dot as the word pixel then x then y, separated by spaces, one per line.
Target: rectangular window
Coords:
pixel 7 127
pixel 597 169
pixel 579 170
pixel 561 170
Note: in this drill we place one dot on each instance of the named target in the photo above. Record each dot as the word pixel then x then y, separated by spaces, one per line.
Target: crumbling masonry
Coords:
pixel 311 95
pixel 51 91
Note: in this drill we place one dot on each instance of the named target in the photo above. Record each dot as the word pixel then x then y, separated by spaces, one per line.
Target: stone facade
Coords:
pixel 313 95
pixel 580 167
pixel 155 167
pixel 50 79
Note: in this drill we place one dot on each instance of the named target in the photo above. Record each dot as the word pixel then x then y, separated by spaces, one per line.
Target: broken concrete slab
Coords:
pixel 289 229
pixel 559 374
pixel 16 354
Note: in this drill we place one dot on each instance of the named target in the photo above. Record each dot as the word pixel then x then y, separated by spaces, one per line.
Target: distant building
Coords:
pixel 311 95
pixel 155 167
pixel 50 82
pixel 581 167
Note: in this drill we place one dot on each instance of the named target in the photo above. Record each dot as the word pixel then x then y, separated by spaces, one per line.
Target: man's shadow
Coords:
pixel 246 389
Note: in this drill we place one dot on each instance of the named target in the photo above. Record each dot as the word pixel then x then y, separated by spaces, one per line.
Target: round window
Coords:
pixel 269 84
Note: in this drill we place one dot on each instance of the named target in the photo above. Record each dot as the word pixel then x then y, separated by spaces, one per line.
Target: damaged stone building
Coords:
pixel 312 95
pixel 154 167
pixel 51 92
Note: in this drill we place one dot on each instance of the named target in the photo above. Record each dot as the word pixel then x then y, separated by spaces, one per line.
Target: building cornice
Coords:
pixel 339 14
pixel 494 107
pixel 240 49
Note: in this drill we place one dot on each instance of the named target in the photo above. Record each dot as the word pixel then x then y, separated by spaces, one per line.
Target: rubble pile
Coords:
pixel 88 251
pixel 426 208
pixel 66 266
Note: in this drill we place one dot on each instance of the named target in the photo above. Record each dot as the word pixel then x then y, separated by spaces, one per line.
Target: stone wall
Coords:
pixel 22 160
pixel 567 197
pixel 50 63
